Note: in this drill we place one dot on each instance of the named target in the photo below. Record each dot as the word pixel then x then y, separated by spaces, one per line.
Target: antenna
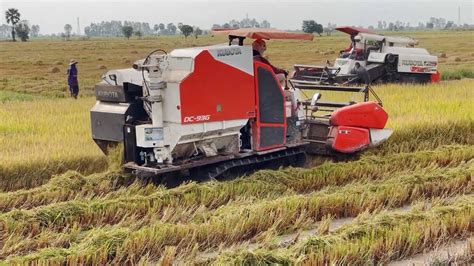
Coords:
pixel 459 15
pixel 78 29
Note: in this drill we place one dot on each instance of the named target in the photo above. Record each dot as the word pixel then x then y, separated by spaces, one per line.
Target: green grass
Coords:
pixel 7 96
pixel 457 74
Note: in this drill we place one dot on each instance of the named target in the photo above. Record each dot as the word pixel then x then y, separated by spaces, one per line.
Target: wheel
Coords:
pixel 415 78
pixel 391 59
pixel 298 160
pixel 301 160
pixel 170 180
pixel 389 68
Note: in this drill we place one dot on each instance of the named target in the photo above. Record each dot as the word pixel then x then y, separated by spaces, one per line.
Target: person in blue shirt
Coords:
pixel 72 79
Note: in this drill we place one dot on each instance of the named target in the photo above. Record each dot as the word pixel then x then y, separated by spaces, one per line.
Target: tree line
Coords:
pixel 114 28
pixel 244 23
pixel 432 23
pixel 21 28
pixel 17 26
pixel 311 26
pixel 128 28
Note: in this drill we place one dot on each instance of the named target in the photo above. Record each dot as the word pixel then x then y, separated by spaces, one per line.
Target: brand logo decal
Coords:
pixel 197 118
pixel 229 52
pixel 410 62
pixel 108 94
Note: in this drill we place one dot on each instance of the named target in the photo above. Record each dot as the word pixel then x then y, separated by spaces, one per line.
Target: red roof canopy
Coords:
pixel 354 30
pixel 260 33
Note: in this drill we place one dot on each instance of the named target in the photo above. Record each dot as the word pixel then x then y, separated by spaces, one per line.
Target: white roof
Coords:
pixel 405 50
pixel 374 37
pixel 394 39
pixel 400 39
pixel 187 52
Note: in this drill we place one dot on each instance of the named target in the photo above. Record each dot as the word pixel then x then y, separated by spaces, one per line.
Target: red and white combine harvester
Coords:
pixel 204 110
pixel 381 59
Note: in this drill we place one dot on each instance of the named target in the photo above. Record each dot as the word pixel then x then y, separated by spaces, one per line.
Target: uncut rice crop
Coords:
pixel 53 140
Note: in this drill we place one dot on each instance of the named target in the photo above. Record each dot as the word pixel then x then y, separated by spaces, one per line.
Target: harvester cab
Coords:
pixel 202 111
pixel 386 59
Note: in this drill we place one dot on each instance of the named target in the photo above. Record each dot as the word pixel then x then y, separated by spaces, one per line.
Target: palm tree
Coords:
pixel 12 16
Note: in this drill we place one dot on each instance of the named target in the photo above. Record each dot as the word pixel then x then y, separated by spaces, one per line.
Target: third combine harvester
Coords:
pixel 202 111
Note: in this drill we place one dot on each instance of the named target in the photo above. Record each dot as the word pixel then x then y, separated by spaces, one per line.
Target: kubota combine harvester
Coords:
pixel 204 110
pixel 382 59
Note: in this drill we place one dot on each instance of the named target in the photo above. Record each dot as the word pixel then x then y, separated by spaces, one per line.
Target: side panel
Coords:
pixel 375 57
pixel 269 128
pixel 272 136
pixel 236 56
pixel 270 97
pixel 417 63
pixel 178 69
pixel 131 152
pixel 347 65
pixel 216 91
pixel 107 120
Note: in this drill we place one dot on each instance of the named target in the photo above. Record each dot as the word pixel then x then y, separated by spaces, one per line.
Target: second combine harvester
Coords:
pixel 386 59
pixel 204 110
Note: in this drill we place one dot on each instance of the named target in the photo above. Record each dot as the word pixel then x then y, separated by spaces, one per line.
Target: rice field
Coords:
pixel 63 202
pixel 39 67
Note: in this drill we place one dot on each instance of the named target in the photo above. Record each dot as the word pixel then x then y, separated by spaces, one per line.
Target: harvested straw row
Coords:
pixel 97 189
pixel 372 239
pixel 232 225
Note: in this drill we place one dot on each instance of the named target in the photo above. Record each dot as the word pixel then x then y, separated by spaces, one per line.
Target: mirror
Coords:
pixel 315 98
pixel 113 77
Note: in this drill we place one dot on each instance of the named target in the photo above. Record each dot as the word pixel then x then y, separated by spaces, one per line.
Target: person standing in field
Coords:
pixel 72 79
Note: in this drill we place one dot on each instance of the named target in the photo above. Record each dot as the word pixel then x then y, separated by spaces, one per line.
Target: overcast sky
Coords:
pixel 53 15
